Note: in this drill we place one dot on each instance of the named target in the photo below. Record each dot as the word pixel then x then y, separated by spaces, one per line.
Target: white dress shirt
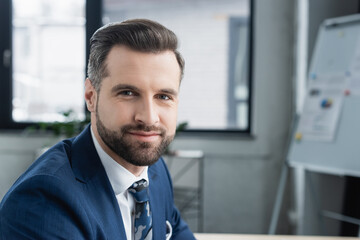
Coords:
pixel 121 179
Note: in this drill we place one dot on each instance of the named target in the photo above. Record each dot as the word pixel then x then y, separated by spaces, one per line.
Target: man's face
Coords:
pixel 135 110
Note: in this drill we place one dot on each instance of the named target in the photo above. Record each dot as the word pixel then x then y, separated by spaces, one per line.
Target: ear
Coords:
pixel 90 95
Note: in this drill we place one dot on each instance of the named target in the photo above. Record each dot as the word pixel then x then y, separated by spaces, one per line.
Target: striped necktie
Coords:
pixel 143 217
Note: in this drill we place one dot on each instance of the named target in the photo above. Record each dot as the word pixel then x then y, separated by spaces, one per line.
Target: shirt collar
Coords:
pixel 120 178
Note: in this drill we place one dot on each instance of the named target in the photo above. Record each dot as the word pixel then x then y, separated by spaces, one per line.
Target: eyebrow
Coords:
pixel 169 91
pixel 120 87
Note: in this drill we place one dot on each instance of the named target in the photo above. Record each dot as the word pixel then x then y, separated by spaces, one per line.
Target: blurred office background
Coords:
pixel 245 79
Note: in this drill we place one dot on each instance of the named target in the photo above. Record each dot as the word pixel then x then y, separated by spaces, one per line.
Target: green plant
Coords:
pixel 69 128
pixel 181 127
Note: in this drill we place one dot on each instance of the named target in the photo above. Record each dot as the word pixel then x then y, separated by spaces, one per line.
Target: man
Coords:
pixel 86 187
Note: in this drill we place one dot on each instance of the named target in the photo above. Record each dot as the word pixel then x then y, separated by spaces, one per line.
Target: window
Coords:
pixel 44 51
pixel 44 57
pixel 214 40
pixel 48 39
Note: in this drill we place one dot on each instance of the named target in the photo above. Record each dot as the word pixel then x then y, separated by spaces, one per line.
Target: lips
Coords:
pixel 145 136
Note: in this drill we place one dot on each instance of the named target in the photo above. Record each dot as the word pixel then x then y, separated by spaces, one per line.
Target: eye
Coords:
pixel 163 97
pixel 127 93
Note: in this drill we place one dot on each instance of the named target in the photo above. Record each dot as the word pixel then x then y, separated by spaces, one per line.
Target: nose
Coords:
pixel 147 113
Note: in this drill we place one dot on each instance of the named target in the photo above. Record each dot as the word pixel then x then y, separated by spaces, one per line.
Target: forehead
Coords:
pixel 123 63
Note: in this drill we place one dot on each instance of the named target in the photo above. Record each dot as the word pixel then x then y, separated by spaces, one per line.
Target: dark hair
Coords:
pixel 138 34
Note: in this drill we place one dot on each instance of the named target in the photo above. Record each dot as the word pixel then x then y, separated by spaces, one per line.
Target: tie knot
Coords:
pixel 139 190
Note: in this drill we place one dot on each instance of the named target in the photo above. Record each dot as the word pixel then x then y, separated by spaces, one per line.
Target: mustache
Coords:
pixel 144 128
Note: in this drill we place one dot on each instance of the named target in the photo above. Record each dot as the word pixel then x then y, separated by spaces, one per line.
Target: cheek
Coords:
pixel 113 115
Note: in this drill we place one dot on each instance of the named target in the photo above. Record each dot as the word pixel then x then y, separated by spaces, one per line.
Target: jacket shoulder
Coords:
pixel 43 206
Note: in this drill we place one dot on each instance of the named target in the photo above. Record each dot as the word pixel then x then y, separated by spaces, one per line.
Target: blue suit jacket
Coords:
pixel 66 194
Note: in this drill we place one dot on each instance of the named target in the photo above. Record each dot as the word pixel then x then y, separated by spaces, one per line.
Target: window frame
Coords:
pixel 93 22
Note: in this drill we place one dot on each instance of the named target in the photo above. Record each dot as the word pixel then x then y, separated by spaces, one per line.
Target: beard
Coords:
pixel 134 152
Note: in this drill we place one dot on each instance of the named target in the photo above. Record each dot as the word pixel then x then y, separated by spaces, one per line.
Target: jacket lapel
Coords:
pixel 157 205
pixel 98 192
